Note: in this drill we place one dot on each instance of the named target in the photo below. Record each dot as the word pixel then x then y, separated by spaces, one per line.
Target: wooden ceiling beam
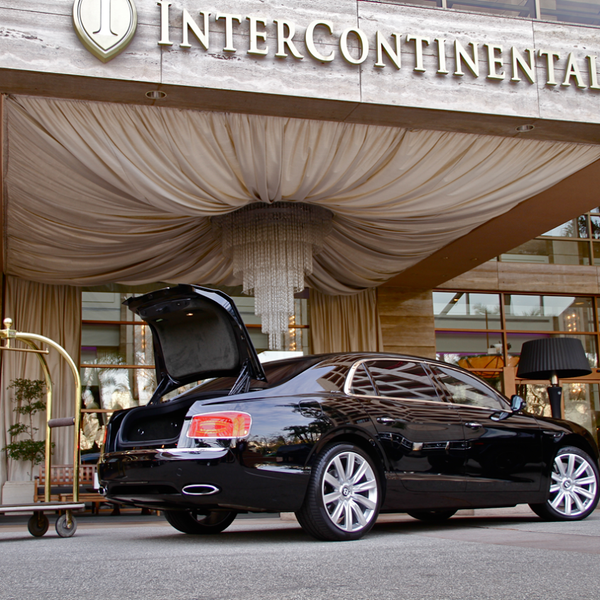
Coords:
pixel 566 200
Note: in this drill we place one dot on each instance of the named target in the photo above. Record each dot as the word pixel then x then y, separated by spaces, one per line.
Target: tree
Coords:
pixel 29 395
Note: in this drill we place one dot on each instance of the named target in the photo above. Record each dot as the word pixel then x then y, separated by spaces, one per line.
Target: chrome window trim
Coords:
pixel 350 377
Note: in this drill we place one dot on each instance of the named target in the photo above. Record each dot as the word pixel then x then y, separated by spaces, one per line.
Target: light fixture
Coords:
pixel 272 248
pixel 525 128
pixel 292 333
pixel 553 358
pixel 156 95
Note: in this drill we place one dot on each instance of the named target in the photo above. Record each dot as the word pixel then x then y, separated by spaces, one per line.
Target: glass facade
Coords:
pixel 571 11
pixel 549 313
pixel 472 310
pixel 484 333
pixel 576 242
pixel 512 8
pixel 563 11
pixel 581 403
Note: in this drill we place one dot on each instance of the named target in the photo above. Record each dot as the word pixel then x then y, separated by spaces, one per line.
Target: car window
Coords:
pixel 361 383
pixel 402 379
pixel 464 389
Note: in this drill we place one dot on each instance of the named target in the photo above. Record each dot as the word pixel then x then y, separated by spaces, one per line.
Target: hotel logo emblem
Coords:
pixel 105 27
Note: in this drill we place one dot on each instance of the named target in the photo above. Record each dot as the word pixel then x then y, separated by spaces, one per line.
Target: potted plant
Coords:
pixel 29 395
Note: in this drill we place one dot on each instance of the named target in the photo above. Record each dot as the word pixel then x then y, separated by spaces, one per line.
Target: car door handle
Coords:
pixel 473 425
pixel 386 420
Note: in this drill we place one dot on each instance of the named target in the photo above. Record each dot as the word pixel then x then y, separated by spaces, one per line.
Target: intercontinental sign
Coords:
pixel 106 27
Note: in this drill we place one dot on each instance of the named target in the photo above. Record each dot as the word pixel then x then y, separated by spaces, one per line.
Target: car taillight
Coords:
pixel 226 424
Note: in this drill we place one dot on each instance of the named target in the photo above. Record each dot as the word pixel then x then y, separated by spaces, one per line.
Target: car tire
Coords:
pixel 343 496
pixel 574 487
pixel 432 516
pixel 196 522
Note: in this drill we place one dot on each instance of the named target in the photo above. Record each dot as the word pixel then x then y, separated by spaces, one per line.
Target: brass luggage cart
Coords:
pixel 38 523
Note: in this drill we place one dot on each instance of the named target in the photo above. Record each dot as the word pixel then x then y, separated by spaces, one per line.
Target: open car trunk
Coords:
pixel 198 334
pixel 159 425
pixel 150 427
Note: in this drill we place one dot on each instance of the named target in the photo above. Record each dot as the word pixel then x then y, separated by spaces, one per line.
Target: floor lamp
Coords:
pixel 553 359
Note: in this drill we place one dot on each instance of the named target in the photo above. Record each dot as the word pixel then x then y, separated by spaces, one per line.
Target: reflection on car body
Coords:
pixel 336 438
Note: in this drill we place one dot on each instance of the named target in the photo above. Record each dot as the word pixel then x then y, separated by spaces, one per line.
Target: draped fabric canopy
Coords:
pixel 99 192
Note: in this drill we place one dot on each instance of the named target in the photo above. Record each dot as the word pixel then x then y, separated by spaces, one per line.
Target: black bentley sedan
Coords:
pixel 336 438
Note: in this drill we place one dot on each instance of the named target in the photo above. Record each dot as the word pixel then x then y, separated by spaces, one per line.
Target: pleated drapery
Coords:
pixel 345 323
pixel 54 312
pixel 99 192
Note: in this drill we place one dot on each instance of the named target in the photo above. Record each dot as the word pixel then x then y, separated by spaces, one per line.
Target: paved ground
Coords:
pixel 496 554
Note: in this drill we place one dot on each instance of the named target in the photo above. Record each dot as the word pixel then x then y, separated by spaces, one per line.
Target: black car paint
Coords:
pixel 294 421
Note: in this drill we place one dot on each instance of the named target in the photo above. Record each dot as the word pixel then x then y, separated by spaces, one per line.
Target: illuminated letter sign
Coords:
pixel 105 27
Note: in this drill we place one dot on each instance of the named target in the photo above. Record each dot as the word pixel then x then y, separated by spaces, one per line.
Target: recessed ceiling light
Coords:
pixel 156 95
pixel 524 128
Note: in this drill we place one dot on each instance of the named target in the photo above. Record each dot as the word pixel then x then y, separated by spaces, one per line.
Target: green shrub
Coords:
pixel 30 399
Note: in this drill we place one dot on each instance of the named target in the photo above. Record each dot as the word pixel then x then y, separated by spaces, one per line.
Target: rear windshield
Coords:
pixel 277 372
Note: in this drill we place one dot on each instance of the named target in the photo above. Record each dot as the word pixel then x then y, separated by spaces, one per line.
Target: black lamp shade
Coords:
pixel 542 358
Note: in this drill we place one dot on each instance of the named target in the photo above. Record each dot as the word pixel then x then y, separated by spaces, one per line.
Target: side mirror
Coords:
pixel 517 404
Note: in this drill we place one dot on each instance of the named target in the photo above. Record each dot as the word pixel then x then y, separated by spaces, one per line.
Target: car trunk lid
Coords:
pixel 198 333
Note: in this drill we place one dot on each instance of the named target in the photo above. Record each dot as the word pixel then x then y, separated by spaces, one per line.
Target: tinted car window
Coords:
pixel 402 379
pixel 361 383
pixel 464 389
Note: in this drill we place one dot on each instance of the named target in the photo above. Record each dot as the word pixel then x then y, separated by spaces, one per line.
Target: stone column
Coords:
pixel 407 322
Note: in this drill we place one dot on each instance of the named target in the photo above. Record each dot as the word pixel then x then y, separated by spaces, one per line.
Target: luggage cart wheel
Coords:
pixel 65 526
pixel 38 524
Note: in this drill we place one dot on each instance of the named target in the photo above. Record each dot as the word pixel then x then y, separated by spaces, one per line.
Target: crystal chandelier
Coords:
pixel 272 248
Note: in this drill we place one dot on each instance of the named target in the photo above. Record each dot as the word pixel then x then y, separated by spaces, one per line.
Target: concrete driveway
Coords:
pixel 494 554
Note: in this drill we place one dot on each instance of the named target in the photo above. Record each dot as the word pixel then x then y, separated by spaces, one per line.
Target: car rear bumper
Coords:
pixel 171 479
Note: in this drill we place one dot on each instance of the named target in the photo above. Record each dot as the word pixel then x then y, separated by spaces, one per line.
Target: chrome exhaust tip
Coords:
pixel 200 489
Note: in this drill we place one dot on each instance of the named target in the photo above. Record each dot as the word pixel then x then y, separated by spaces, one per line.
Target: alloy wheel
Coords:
pixel 574 485
pixel 349 491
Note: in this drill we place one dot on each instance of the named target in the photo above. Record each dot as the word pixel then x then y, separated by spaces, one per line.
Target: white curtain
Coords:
pixel 100 193
pixel 345 323
pixel 54 312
